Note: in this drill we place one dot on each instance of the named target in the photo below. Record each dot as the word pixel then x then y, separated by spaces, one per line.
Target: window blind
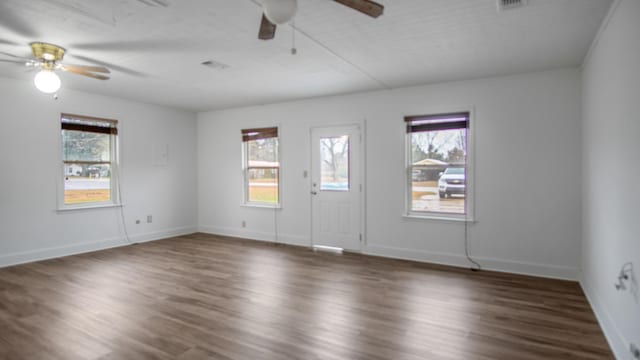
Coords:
pixel 448 121
pixel 89 124
pixel 262 133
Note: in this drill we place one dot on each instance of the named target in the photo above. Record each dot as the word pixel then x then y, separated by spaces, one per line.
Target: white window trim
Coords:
pixel 114 183
pixel 469 215
pixel 245 180
pixel 100 206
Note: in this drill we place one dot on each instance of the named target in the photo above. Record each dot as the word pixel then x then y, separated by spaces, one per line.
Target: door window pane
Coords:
pixel 334 167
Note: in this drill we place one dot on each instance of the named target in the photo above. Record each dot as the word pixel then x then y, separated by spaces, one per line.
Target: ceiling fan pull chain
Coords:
pixel 293 38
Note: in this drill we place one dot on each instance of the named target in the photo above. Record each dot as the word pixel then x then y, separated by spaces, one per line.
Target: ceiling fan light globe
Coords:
pixel 280 12
pixel 47 81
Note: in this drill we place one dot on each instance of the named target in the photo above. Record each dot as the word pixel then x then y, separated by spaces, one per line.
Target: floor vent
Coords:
pixel 510 4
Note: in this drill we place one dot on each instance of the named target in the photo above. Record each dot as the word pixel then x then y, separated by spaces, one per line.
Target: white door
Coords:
pixel 336 187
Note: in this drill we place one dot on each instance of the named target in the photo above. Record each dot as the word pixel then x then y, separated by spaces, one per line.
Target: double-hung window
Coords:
pixel 261 166
pixel 88 161
pixel 438 165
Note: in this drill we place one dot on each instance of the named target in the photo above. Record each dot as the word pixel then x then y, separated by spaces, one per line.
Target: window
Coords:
pixel 88 160
pixel 261 166
pixel 334 157
pixel 437 164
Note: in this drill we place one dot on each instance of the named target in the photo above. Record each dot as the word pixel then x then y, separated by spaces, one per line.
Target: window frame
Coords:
pixel 264 132
pixel 113 163
pixel 469 200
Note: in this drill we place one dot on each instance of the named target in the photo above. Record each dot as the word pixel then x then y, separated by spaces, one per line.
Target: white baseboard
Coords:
pixel 422 256
pixel 256 235
pixel 611 332
pixel 66 250
pixel 163 234
pixel 509 266
pixel 525 268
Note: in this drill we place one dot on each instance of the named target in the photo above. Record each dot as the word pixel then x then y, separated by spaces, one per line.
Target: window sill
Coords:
pixel 87 207
pixel 262 206
pixel 438 217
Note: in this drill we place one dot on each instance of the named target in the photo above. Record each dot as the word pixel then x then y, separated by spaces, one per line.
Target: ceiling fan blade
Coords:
pixel 7 42
pixel 13 61
pixel 115 67
pixel 367 7
pixel 161 3
pixel 80 71
pixel 154 3
pixel 100 69
pixel 15 56
pixel 267 29
pixel 10 20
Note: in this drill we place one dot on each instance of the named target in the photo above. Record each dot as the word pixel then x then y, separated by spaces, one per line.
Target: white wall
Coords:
pixel 527 146
pixel 30 226
pixel 611 173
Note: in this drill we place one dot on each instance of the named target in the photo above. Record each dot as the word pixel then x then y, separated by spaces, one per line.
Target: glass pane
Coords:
pixel 263 185
pixel 437 171
pixel 87 183
pixel 263 152
pixel 86 146
pixel 334 167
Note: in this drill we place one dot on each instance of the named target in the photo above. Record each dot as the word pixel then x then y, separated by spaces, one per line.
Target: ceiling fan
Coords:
pixel 48 57
pixel 278 12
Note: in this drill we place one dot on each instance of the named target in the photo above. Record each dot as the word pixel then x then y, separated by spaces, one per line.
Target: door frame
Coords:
pixel 362 127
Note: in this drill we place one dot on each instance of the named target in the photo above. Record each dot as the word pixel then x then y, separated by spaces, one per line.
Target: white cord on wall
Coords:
pixel 124 223
pixel 466 225
pixel 275 223
pixel 466 246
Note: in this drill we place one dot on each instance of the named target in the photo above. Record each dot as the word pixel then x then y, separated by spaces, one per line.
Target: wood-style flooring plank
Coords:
pixel 210 297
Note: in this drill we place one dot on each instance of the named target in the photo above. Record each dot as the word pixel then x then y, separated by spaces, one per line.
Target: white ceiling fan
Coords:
pixel 279 12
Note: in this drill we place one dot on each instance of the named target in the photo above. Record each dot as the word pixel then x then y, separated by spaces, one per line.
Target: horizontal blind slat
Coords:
pixel 262 133
pixel 89 128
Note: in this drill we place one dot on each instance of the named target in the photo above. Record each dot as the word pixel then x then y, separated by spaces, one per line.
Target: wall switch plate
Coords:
pixel 149 219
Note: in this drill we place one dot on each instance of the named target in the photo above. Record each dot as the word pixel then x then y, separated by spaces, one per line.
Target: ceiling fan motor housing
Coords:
pixel 47 52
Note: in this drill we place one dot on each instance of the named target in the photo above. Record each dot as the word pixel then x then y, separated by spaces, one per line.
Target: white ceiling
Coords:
pixel 155 53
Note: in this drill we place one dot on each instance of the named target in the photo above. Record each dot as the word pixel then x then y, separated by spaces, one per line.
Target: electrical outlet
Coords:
pixel 244 223
pixel 137 221
pixel 635 351
pixel 149 219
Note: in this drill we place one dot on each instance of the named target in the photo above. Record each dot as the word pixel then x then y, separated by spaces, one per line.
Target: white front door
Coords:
pixel 336 187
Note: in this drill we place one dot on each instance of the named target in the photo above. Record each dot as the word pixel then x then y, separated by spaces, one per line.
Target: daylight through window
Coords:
pixel 88 159
pixel 261 166
pixel 334 155
pixel 437 151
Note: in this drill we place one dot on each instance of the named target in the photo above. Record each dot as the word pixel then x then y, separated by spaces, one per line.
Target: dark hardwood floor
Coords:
pixel 207 297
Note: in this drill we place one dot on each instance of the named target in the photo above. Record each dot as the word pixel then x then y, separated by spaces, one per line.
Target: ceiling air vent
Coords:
pixel 510 4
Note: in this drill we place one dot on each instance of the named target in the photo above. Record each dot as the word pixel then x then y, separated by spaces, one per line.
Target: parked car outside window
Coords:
pixel 452 181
